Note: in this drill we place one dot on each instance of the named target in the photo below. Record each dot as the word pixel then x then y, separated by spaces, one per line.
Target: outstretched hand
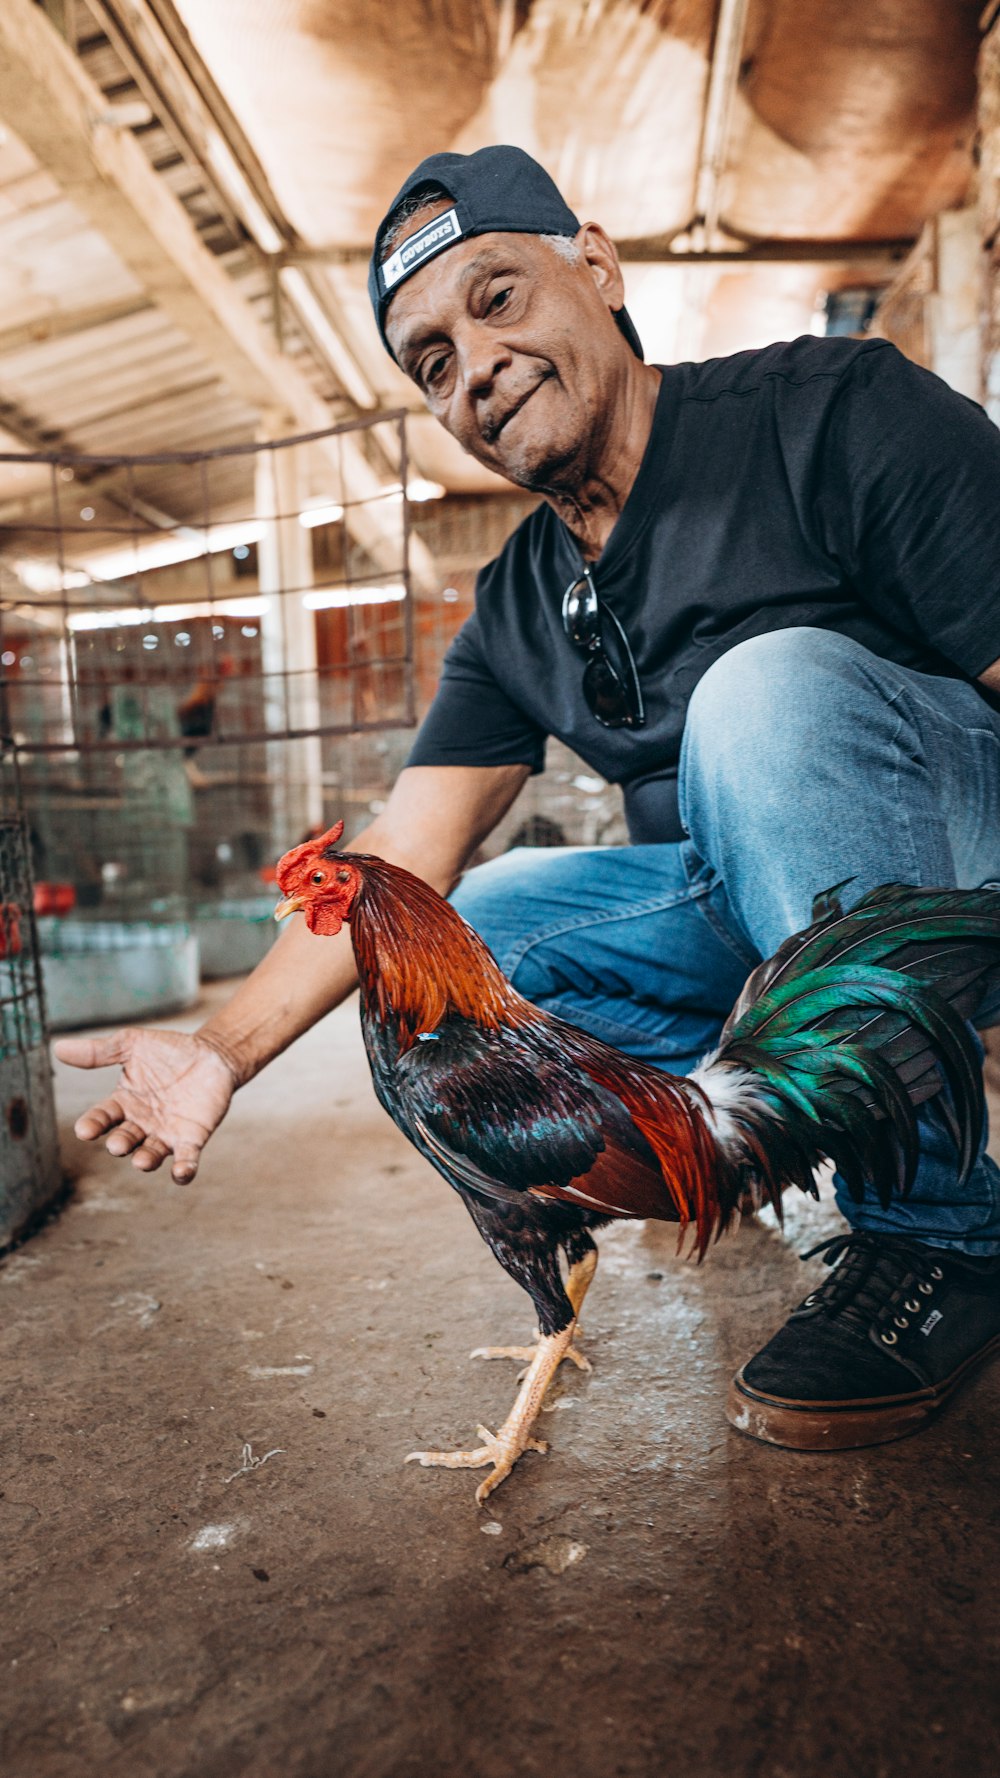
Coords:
pixel 174 1090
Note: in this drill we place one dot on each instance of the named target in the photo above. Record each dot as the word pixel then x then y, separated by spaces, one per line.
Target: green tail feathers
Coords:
pixel 858 1020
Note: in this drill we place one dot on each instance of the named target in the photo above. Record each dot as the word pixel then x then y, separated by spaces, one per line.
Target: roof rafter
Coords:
pixel 50 101
pixel 52 104
pixel 64 323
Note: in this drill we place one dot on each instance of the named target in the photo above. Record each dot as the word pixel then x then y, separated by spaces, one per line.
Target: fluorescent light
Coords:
pixel 237 189
pixel 329 598
pixel 325 513
pixel 46 577
pixel 419 488
pixel 126 615
pixel 130 559
pixel 298 289
pixel 175 614
pixel 164 552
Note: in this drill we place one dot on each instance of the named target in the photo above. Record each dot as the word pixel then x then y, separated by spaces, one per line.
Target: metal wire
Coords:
pixel 177 720
pixel 22 1004
pixel 78 637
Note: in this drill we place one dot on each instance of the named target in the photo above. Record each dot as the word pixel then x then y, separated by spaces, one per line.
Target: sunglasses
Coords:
pixel 615 701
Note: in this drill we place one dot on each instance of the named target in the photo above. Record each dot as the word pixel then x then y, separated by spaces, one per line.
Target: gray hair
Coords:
pixel 429 195
pixel 422 199
pixel 565 246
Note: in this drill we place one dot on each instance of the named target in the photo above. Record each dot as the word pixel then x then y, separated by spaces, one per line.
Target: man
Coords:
pixel 789 562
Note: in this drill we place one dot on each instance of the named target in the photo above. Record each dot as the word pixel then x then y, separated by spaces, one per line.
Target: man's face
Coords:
pixel 515 349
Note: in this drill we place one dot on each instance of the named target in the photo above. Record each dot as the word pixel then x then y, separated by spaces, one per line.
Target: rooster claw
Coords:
pixel 502 1452
pixel 526 1352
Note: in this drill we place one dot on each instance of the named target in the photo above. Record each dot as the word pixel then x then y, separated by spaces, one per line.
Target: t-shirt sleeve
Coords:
pixel 472 721
pixel 910 495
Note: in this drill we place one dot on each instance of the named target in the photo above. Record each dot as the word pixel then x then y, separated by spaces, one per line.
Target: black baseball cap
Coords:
pixel 498 190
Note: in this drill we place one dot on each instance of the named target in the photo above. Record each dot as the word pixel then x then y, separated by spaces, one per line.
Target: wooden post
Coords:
pixel 288 631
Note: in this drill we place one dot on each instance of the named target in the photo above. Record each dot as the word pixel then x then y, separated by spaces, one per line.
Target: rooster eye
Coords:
pixel 317 877
pixel 343 876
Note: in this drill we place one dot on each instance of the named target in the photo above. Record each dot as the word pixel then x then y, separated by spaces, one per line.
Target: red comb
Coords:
pixel 309 849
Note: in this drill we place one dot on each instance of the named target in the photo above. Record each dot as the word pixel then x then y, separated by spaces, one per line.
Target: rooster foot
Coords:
pixel 503 1448
pixel 527 1353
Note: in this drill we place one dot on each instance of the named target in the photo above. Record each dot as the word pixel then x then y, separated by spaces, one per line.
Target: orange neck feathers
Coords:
pixel 418 961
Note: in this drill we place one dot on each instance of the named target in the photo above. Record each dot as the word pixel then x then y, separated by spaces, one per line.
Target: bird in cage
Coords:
pixel 196 711
pixel 10 929
pixel 547 1133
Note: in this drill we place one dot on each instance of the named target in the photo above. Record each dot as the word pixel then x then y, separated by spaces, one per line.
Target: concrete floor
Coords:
pixel 655 1596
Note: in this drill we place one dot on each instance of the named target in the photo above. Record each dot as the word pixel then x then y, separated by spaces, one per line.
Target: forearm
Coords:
pixel 301 978
pixel 304 976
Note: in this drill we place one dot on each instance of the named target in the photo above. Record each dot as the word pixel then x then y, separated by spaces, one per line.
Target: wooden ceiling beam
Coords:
pixel 52 104
pixel 37 511
pixel 180 90
pixel 795 252
pixel 28 432
pixel 58 112
pixel 657 250
pixel 61 324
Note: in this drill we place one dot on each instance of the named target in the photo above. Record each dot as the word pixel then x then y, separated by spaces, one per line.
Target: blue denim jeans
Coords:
pixel 806 760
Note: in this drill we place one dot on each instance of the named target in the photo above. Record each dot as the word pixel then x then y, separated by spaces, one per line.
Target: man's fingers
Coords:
pixel 98 1120
pixel 125 1138
pixel 108 1050
pixel 151 1155
pixel 185 1163
pixel 162 1093
pixel 94 1052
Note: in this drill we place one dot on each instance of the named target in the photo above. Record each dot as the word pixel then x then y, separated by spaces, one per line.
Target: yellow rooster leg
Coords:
pixel 503 1448
pixel 577 1284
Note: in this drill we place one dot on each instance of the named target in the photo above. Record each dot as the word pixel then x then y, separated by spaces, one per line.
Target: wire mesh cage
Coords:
pixel 207 655
pixel 183 638
pixel 29 1155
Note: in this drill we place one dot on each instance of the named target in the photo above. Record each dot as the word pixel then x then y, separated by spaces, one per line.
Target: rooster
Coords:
pixel 547 1133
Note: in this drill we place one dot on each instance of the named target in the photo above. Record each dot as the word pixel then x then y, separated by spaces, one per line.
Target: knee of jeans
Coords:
pixel 769 699
pixel 488 895
pixel 505 902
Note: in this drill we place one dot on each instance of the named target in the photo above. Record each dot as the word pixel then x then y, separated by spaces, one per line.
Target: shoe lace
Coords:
pixel 872 1276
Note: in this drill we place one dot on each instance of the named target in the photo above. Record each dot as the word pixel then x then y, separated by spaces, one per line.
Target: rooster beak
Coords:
pixel 290 906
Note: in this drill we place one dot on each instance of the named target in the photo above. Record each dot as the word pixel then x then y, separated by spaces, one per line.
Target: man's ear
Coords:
pixel 601 258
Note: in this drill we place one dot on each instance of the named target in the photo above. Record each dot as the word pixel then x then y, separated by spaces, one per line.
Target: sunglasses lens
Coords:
pixel 615 702
pixel 581 618
pixel 606 696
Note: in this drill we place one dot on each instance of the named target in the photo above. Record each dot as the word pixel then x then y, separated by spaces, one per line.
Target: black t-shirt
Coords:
pixel 823 482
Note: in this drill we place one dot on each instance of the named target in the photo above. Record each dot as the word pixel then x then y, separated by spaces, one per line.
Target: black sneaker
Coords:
pixel 875 1350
